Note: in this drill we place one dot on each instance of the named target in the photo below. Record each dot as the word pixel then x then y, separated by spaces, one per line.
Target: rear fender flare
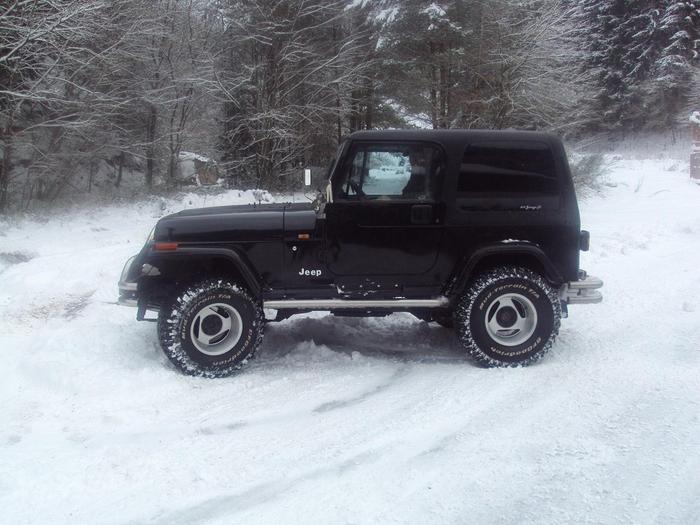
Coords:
pixel 521 248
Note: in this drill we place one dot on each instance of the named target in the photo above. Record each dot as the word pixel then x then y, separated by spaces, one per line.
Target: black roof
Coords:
pixel 452 136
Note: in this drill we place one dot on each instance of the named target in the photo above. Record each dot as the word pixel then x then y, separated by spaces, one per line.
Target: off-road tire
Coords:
pixel 175 328
pixel 480 300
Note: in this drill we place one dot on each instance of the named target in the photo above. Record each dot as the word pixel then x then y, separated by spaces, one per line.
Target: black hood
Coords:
pixel 239 208
pixel 253 222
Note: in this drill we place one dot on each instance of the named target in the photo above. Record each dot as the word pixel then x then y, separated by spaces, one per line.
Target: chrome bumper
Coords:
pixel 127 289
pixel 583 291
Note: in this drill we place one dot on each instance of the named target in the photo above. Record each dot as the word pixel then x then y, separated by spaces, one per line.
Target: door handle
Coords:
pixel 422 214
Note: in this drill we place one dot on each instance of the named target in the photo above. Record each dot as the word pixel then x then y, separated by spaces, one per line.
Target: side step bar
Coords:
pixel 584 291
pixel 346 304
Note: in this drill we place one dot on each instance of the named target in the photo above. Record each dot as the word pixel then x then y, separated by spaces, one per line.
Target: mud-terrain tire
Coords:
pixel 509 316
pixel 211 328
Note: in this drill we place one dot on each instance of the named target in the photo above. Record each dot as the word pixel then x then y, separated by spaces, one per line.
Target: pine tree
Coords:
pixel 642 53
pixel 423 44
pixel 616 34
pixel 671 81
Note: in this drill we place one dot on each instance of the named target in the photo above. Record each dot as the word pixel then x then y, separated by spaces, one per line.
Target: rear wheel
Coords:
pixel 510 316
pixel 211 328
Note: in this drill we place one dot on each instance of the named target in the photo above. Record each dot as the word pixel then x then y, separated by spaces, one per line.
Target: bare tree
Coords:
pixel 35 37
pixel 527 75
pixel 84 82
pixel 288 71
pixel 189 67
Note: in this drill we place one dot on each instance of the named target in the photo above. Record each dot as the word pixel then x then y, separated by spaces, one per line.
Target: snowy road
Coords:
pixel 344 420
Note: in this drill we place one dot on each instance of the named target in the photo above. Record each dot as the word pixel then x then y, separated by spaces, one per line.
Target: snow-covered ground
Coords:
pixel 344 420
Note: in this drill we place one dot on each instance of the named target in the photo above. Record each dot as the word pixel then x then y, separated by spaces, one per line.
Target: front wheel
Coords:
pixel 211 328
pixel 510 316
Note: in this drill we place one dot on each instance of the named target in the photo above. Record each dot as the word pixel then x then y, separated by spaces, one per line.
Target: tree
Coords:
pixel 481 64
pixel 642 53
pixel 85 83
pixel 35 38
pixel 423 44
pixel 287 72
pixel 671 81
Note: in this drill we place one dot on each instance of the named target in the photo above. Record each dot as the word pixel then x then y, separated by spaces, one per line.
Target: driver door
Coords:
pixel 385 221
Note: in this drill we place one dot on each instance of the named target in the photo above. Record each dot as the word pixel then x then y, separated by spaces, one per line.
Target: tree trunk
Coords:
pixel 339 123
pixel 172 166
pixel 339 118
pixel 5 166
pixel 443 88
pixel 354 121
pixel 173 148
pixel 120 169
pixel 433 88
pixel 369 113
pixel 92 176
pixel 150 145
pixel 4 177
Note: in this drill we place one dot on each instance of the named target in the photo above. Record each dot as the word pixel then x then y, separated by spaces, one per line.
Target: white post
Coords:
pixel 695 148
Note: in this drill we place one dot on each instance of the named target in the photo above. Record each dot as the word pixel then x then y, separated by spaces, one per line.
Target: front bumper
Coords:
pixel 127 289
pixel 583 291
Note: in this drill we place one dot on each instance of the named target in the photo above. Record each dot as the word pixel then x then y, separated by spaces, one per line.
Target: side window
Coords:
pixel 508 168
pixel 392 172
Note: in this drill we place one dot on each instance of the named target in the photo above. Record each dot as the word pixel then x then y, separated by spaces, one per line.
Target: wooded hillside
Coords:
pixel 120 89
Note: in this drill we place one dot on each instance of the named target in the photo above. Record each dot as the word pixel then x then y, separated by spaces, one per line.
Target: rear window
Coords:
pixel 508 167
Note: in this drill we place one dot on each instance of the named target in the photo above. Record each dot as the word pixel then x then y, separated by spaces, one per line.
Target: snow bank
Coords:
pixel 355 420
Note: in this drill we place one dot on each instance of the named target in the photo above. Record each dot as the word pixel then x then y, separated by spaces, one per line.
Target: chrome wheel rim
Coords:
pixel 511 319
pixel 216 329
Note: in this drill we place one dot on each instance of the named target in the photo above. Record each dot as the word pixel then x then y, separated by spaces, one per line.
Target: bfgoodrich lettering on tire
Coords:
pixel 510 316
pixel 211 328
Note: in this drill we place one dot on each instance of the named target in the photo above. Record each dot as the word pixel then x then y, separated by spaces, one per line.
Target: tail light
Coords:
pixel 165 246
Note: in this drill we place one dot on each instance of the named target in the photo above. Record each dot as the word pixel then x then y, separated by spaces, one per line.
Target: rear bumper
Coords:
pixel 583 291
pixel 127 299
pixel 127 289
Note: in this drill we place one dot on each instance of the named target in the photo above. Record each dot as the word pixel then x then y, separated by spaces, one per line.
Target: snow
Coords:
pixel 695 117
pixel 434 11
pixel 513 241
pixel 187 155
pixel 348 420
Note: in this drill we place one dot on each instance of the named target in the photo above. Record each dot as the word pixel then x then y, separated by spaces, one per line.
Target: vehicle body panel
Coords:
pixel 380 248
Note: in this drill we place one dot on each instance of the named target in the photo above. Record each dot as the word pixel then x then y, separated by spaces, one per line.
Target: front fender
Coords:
pixel 174 264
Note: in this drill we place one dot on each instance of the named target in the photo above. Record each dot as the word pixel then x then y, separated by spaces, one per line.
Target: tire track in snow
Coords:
pixel 229 505
pixel 363 396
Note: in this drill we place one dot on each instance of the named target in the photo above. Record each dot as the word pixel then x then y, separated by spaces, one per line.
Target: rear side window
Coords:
pixel 514 168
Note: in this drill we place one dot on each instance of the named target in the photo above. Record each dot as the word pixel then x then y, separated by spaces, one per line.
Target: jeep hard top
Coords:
pixel 475 230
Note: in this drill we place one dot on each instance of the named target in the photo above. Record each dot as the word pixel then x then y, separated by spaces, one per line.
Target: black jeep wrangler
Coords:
pixel 476 230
